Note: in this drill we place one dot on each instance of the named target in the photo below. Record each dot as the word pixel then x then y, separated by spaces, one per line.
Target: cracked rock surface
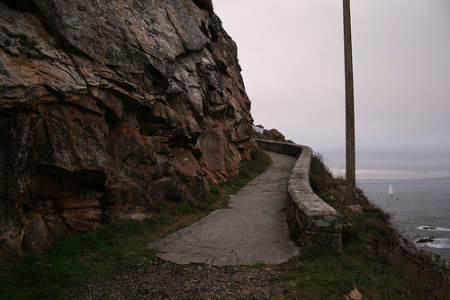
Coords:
pixel 108 108
pixel 253 230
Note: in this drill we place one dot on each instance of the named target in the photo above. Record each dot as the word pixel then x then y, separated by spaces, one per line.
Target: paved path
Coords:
pixel 252 230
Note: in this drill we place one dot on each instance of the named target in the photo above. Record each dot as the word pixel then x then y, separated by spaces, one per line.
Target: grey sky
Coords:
pixel 291 53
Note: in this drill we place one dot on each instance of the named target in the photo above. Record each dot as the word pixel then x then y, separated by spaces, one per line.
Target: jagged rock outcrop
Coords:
pixel 109 107
pixel 273 134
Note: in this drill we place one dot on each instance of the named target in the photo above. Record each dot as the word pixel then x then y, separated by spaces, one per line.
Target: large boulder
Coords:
pixel 109 107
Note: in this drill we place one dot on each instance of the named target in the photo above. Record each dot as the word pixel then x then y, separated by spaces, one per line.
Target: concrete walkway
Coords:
pixel 253 230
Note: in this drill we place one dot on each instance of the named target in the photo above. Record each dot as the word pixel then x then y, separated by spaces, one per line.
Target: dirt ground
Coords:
pixel 165 280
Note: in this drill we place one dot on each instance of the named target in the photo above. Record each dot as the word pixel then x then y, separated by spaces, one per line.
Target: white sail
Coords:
pixel 391 190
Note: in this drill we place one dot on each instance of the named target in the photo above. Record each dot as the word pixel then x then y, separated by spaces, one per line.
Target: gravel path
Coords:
pixel 253 230
pixel 166 280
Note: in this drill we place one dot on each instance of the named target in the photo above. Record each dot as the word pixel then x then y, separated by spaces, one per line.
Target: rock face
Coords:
pixel 273 135
pixel 108 108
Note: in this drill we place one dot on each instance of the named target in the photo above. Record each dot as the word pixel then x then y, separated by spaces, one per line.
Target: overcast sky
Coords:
pixel 292 59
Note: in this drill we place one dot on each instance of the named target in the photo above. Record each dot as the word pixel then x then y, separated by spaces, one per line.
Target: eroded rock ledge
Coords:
pixel 108 108
pixel 315 222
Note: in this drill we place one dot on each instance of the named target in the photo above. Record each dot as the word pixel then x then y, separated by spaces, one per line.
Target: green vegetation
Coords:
pixel 330 276
pixel 320 177
pixel 248 171
pixel 258 266
pixel 371 260
pixel 77 259
pixel 184 208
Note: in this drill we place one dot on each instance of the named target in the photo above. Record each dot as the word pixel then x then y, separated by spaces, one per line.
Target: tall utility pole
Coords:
pixel 349 107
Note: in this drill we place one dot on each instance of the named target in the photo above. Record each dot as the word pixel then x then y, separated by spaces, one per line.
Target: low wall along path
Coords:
pixel 315 222
pixel 254 229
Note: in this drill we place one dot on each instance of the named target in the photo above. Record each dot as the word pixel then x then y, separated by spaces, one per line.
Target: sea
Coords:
pixel 420 209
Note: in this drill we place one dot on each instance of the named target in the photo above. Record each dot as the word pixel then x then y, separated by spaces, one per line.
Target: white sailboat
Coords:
pixel 391 191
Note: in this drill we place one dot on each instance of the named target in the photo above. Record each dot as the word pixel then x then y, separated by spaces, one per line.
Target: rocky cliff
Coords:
pixel 108 108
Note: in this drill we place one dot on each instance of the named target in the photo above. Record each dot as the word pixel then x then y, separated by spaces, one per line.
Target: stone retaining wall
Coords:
pixel 315 222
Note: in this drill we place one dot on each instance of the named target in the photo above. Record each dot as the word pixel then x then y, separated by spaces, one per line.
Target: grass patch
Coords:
pixel 77 259
pixel 211 198
pixel 371 259
pixel 249 170
pixel 184 208
pixel 217 197
pixel 330 276
pixel 258 266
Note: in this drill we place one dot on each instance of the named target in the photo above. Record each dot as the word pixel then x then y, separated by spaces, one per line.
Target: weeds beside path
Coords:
pixel 374 257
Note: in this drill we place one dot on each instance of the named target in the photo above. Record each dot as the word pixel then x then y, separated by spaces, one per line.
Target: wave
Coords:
pixel 438 246
pixel 437 243
pixel 432 228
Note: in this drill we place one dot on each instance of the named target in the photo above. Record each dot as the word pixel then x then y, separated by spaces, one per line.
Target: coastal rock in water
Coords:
pixel 428 228
pixel 425 240
pixel 108 108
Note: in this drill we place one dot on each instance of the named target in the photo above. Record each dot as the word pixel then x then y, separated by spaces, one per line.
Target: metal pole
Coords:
pixel 349 106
